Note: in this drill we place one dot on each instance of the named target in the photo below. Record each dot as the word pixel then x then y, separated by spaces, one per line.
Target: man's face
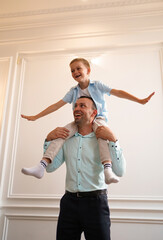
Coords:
pixel 83 111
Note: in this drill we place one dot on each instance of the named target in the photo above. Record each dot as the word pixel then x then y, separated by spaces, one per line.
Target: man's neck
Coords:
pixel 85 130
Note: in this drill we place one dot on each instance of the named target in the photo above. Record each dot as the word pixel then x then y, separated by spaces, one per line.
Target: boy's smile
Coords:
pixel 80 73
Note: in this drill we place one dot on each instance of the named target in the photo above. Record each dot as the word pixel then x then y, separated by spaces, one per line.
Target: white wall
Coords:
pixel 127 54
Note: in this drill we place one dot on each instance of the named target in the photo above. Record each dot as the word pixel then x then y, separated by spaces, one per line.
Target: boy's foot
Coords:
pixel 37 171
pixel 110 177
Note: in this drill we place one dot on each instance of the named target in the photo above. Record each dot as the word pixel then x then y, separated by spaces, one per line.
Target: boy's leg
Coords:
pixel 105 157
pixel 49 155
pixel 56 144
pixel 38 170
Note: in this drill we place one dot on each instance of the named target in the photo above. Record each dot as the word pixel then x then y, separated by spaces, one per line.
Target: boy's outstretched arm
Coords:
pixel 126 95
pixel 54 107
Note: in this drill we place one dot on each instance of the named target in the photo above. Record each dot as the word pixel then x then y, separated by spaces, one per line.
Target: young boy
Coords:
pixel 80 69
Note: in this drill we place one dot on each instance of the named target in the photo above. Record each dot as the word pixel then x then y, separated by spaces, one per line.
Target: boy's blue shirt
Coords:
pixel 84 168
pixel 97 91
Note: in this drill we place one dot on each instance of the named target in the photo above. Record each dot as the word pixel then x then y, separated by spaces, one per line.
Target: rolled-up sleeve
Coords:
pixel 118 160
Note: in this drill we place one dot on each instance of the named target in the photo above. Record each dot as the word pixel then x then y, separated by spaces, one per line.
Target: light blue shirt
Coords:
pixel 84 168
pixel 97 91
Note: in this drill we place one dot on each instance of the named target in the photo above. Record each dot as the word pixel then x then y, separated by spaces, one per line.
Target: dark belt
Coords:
pixel 87 194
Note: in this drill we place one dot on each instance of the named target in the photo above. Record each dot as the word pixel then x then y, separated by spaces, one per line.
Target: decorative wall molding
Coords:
pixel 20 78
pixel 55 36
pixel 90 52
pixel 104 11
pixel 13 217
pixel 138 208
pixel 124 209
pixel 22 60
pixel 45 207
pixel 146 5
pixel 9 218
pixel 5 82
pixel 134 221
pixel 53 217
pixel 21 32
pixel 4 73
pixel 120 202
pixel 161 64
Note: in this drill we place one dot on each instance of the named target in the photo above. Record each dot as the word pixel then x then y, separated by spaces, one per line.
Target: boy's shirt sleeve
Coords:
pixel 103 88
pixel 69 96
pixel 57 161
pixel 118 160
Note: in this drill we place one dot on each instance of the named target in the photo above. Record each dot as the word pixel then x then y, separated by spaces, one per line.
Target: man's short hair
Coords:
pixel 93 105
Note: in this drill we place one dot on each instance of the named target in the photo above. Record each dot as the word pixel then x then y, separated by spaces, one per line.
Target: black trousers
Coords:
pixel 84 214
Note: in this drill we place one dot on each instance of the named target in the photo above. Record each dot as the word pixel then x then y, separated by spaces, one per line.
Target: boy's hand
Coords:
pixel 59 132
pixel 29 118
pixel 145 100
pixel 105 133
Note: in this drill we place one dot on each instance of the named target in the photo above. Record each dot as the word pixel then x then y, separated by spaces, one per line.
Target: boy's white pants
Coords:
pixel 56 144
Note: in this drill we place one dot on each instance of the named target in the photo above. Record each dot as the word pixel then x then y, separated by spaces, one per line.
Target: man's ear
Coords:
pixel 94 112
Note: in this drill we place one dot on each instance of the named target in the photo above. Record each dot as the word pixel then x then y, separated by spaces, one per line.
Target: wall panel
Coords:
pixel 43 81
pixel 23 227
pixel 43 78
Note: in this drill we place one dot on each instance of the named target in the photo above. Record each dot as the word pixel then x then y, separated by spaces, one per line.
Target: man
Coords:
pixel 84 206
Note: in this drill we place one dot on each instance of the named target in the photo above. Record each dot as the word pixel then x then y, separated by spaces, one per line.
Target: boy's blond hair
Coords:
pixel 84 61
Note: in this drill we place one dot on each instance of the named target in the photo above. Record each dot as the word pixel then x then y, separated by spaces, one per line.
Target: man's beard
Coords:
pixel 78 121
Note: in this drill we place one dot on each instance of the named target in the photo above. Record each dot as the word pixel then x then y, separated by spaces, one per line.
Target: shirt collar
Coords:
pixel 90 83
pixel 90 135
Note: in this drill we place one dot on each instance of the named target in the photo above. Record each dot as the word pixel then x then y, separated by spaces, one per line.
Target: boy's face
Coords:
pixel 80 72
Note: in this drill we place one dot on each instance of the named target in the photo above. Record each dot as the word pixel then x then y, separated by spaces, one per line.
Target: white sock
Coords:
pixel 37 171
pixel 110 177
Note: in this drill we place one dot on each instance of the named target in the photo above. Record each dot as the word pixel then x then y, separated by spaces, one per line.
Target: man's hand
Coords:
pixel 105 133
pixel 59 132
